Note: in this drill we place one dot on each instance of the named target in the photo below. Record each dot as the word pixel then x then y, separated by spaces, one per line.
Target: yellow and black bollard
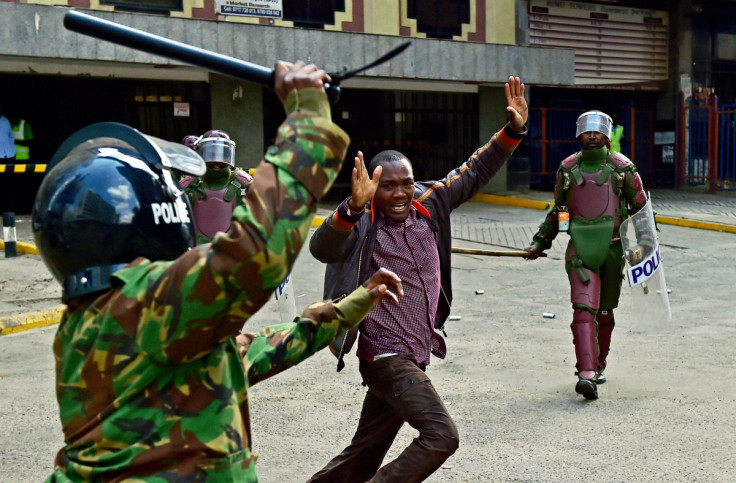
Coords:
pixel 9 235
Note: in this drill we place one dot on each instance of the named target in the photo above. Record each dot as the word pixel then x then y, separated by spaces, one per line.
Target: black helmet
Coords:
pixel 108 197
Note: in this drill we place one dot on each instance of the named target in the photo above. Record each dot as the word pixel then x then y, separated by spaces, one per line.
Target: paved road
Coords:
pixel 666 413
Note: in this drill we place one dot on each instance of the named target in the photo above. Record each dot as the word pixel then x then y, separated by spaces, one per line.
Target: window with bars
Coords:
pixel 151 6
pixel 439 19
pixel 436 131
pixel 314 14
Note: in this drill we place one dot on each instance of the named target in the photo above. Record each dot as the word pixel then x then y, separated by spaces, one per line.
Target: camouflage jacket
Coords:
pixel 150 383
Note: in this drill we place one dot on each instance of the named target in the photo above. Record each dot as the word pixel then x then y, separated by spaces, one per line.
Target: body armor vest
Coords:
pixel 594 202
pixel 212 213
pixel 213 208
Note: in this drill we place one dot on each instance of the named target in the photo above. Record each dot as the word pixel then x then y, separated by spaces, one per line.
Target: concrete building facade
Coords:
pixel 438 100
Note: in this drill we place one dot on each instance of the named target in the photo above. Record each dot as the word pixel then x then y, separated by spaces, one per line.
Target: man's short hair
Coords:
pixel 387 156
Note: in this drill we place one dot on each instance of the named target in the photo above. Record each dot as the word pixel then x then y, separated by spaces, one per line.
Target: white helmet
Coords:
pixel 594 121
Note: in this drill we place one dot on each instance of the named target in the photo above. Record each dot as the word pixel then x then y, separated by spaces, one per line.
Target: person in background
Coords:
pixel 223 187
pixel 595 190
pixel 617 135
pixel 7 141
pixel 8 191
pixel 23 135
pixel 395 222
pixel 189 141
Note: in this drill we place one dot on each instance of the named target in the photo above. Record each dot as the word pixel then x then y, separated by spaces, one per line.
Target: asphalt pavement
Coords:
pixel 665 413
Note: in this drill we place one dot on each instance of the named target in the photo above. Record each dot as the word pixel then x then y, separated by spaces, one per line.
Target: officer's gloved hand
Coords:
pixel 633 255
pixel 288 76
pixel 636 253
pixel 533 252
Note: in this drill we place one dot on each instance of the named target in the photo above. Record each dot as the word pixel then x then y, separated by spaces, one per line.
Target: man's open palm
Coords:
pixel 364 187
pixel 516 103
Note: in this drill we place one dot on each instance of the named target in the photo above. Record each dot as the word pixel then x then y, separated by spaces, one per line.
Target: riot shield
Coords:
pixel 644 270
pixel 286 300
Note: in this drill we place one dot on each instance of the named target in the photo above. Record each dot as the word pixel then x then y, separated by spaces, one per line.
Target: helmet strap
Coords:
pixel 171 187
pixel 87 281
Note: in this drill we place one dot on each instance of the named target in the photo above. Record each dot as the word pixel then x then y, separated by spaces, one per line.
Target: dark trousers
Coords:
pixel 398 391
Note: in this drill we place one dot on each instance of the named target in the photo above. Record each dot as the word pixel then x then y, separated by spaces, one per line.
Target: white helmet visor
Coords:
pixel 593 121
pixel 217 150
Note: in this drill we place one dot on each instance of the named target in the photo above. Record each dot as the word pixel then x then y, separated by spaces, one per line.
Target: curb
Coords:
pixel 702 225
pixel 21 247
pixel 512 201
pixel 543 205
pixel 17 323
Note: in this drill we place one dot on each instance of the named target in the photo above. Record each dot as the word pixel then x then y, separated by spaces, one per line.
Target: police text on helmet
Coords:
pixel 169 212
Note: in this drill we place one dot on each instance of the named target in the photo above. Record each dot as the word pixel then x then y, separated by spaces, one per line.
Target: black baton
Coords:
pixel 153 44
pixel 212 61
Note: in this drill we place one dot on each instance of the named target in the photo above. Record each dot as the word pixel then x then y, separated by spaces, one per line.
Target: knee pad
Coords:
pixel 588 294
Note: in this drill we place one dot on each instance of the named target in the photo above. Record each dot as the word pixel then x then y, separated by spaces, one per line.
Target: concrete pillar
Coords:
pixel 241 116
pixel 491 118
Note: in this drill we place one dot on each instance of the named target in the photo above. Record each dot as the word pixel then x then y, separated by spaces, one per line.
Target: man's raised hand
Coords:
pixel 363 186
pixel 516 103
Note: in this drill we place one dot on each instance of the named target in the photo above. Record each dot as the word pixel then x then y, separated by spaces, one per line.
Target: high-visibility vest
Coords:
pixel 616 134
pixel 22 133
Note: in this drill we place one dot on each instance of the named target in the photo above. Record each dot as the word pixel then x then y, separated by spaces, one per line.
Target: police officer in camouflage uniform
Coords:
pixel 150 381
pixel 596 189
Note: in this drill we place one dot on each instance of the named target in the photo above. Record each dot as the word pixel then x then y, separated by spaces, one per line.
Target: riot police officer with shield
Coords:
pixel 595 190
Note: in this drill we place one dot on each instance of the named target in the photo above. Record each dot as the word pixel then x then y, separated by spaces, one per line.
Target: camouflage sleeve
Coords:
pixel 203 298
pixel 279 347
pixel 549 227
pixel 636 199
pixel 633 190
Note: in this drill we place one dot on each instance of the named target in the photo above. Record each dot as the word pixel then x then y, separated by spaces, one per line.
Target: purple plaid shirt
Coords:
pixel 409 250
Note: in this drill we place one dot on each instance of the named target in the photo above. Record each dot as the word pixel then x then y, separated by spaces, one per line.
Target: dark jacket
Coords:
pixel 348 254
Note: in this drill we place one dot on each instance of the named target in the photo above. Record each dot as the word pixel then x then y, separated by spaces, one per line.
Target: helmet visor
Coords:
pixel 594 121
pixel 217 150
pixel 156 152
pixel 180 157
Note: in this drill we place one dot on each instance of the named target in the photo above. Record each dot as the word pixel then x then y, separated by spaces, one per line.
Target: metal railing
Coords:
pixel 707 144
pixel 552 138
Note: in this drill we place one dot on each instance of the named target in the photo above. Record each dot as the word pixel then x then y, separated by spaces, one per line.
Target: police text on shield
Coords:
pixel 643 271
